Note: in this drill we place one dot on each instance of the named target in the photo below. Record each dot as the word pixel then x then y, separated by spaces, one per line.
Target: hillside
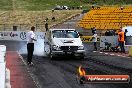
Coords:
pixel 25 19
pixel 32 12
pixel 36 5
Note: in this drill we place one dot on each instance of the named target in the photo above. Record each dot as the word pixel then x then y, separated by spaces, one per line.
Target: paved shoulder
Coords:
pixel 20 77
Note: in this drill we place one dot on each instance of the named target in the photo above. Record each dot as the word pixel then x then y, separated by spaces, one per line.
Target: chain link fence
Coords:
pixel 21 27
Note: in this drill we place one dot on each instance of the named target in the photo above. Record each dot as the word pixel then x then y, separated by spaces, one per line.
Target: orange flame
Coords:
pixel 81 71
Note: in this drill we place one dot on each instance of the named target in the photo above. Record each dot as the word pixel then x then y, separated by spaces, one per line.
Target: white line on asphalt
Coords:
pixel 123 56
pixel 112 54
pixel 118 55
pixel 100 52
pixel 37 84
pixel 94 51
pixel 21 58
pixel 106 53
pixel 7 82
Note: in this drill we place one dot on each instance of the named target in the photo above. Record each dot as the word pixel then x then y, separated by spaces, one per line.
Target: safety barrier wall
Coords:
pixel 19 35
pixel 108 39
pixel 130 51
pixel 2 66
pixel 21 27
pixel 114 42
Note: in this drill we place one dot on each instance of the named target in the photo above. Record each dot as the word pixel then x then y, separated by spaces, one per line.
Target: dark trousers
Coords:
pixel 95 47
pixel 121 44
pixel 30 49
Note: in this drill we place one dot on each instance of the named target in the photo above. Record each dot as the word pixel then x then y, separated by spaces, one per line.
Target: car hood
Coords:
pixel 67 42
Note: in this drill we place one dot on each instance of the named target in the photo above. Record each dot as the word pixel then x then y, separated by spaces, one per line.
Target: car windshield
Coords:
pixel 65 34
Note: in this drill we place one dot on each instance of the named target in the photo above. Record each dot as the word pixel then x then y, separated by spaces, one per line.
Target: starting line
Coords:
pixel 113 54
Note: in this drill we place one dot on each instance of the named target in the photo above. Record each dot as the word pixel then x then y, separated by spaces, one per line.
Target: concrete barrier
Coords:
pixel 130 51
pixel 2 66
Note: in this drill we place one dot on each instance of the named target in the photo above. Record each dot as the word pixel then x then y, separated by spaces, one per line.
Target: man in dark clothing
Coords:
pixel 46 26
pixel 125 34
pixel 93 30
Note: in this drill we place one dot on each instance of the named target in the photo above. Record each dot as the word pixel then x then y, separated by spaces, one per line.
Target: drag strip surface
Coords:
pixel 62 72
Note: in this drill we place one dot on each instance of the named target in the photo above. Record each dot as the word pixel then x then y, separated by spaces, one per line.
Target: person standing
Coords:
pixel 121 40
pixel 125 34
pixel 46 26
pixel 93 30
pixel 30 45
pixel 94 39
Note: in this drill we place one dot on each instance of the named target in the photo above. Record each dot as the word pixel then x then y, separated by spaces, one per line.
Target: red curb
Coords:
pixel 20 77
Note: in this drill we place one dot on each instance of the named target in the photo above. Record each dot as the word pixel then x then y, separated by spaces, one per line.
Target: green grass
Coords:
pixel 35 11
pixel 37 5
pixel 45 4
pixel 5 4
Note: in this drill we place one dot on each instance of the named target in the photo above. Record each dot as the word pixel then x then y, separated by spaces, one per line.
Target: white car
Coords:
pixel 65 42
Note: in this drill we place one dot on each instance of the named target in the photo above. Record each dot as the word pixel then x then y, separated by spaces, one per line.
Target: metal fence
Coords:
pixel 21 27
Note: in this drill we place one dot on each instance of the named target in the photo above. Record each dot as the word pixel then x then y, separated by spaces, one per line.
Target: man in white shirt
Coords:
pixel 30 45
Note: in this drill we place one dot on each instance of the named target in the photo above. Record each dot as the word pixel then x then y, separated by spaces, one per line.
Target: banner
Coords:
pixel 88 39
pixel 106 78
pixel 18 35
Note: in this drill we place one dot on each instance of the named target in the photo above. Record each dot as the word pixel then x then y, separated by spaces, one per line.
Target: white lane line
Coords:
pixel 8 81
pixel 94 51
pixel 22 58
pixel 112 54
pixel 32 76
pixel 119 55
pixel 106 53
pixel 100 52
pixel 123 56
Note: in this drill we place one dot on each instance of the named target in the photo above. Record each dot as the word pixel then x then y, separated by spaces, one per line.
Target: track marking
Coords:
pixel 100 52
pixel 123 56
pixel 106 53
pixel 118 55
pixel 8 81
pixel 32 76
pixel 112 54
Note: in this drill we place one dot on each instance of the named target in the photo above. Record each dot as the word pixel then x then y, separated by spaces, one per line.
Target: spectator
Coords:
pixel 52 10
pixel 53 18
pixel 46 19
pixel 121 40
pixel 92 6
pixel 94 39
pixel 80 7
pixel 30 45
pixel 93 30
pixel 46 26
pixel 125 34
pixel 114 32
